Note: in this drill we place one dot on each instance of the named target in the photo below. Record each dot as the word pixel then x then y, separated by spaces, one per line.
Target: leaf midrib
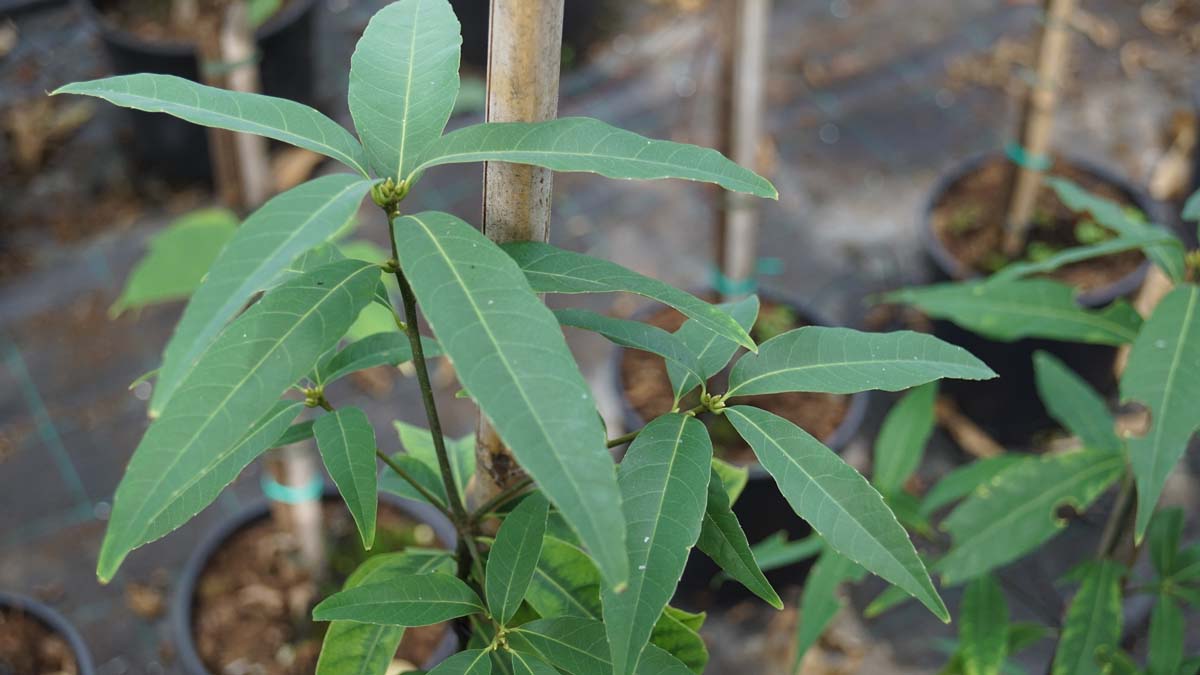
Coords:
pixel 1169 385
pixel 1080 317
pixel 840 364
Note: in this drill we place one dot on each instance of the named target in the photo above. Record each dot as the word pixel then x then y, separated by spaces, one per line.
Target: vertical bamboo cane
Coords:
pixel 524 54
pixel 738 248
pixel 1036 122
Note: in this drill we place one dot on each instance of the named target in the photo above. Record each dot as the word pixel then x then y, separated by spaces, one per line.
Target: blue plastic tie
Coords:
pixel 286 494
pixel 1022 158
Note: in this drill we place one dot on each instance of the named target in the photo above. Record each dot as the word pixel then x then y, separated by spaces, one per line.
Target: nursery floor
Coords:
pixel 869 100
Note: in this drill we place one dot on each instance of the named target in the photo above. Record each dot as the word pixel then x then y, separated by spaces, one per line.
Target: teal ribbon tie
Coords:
pixel 1024 159
pixel 289 494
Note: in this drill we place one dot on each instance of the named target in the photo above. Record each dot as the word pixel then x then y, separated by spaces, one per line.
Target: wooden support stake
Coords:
pixel 1037 120
pixel 297 467
pixel 524 55
pixel 738 228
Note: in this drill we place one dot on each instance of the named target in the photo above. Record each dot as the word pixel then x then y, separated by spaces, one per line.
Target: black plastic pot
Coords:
pixel 185 591
pixel 1008 407
pixel 761 509
pixel 170 147
pixel 581 26
pixel 56 623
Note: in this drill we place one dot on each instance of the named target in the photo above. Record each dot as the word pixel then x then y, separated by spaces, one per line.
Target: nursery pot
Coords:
pixel 169 146
pixel 761 509
pixel 1008 407
pixel 55 623
pixel 184 600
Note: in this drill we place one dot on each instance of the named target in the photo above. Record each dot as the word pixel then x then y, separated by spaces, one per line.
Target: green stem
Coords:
pixel 1114 529
pixel 429 496
pixel 629 437
pixel 505 496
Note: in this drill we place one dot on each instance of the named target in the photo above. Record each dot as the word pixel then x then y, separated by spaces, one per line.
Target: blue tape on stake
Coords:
pixel 726 286
pixel 1018 155
pixel 287 494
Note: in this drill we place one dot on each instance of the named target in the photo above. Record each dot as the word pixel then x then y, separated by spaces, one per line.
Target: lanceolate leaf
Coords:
pixel 416 600
pixel 418 442
pixel 901 441
pixel 403 82
pixel 347 444
pixel 527 664
pixel 380 349
pixel 1011 310
pixel 554 270
pixel 511 356
pixel 1016 513
pixel 566 582
pixel 1163 373
pixel 573 645
pixel 964 480
pixel 425 475
pixel 178 258
pixel 844 361
pixel 235 383
pixel 837 501
pixel 820 600
pixel 584 144
pixel 663 482
pixel 469 662
pixel 776 551
pixel 1075 405
pixel 1166 637
pixel 1167 254
pixel 1165 531
pixel 270 239
pixel 722 539
pixel 1148 240
pixel 368 649
pixel 633 334
pixel 982 628
pixel 514 556
pixel 674 635
pixel 276 118
pixel 1093 620
pixel 712 350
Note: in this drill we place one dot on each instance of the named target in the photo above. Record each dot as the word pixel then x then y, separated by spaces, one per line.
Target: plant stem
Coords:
pixel 507 495
pixel 429 496
pixel 629 437
pixel 1110 537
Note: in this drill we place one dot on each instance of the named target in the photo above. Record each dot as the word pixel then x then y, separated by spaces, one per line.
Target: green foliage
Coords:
pixel 820 600
pixel 1164 374
pixel 984 612
pixel 1074 404
pixel 514 557
pixel 635 335
pixel 1166 637
pixel 711 349
pixel 901 441
pixel 410 600
pixel 1093 619
pixel 379 349
pixel 965 480
pixel 178 258
pixel 347 444
pixel 722 539
pixel 845 361
pixel 468 662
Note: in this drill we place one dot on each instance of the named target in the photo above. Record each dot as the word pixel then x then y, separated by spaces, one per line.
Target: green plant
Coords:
pixel 587 554
pixel 1010 505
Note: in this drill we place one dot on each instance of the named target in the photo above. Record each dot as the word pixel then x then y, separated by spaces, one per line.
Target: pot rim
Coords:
pixel 950 266
pixel 110 31
pixel 55 621
pixel 182 600
pixel 847 429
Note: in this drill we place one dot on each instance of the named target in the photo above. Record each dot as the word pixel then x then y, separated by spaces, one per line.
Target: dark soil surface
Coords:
pixel 969 221
pixel 30 647
pixel 254 599
pixel 648 387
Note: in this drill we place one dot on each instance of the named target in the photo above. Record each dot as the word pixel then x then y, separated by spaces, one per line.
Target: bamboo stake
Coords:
pixel 1037 121
pixel 740 217
pixel 524 55
pixel 296 467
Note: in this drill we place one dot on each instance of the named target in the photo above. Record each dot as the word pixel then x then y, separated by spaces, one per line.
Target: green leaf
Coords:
pixel 733 478
pixel 1163 373
pixel 425 475
pixel 276 118
pixel 1166 637
pixel 819 601
pixel 633 334
pixel 722 539
pixel 901 441
pixel 1151 239
pixel 663 482
pixel 1191 210
pixel 1113 661
pixel 674 635
pixel 776 551
pixel 178 258
pixel 1126 222
pixel 712 351
pixel 527 664
pixel 403 82
pixel 983 631
pixel 565 583
pixel 514 556
pixel 419 443
pixel 574 645
pixel 470 662
pixel 415 600
pixel 180 464
pixel 1022 635
pixel 1016 512
pixel 845 361
pixel 584 144
pixel 837 501
pixel 300 431
pixel 1013 310
pixel 347 444
pixel 658 661
pixel 1166 529
pixel 1074 404
pixel 554 270
pixel 965 480
pixel 271 238
pixel 514 361
pixel 381 349
pixel 368 649
pixel 1093 620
